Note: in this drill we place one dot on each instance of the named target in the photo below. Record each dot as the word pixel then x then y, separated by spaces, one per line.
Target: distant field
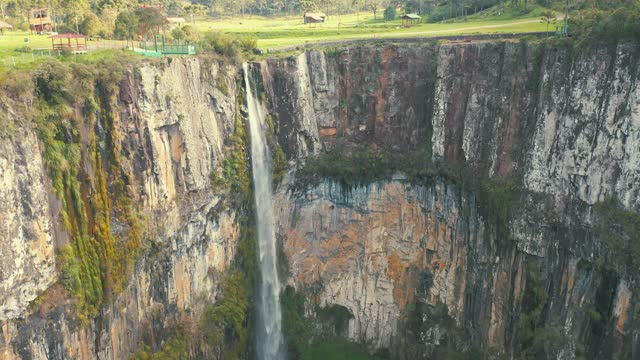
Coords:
pixel 285 31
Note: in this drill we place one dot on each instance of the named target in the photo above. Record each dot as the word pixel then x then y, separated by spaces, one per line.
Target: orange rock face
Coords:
pixel 369 256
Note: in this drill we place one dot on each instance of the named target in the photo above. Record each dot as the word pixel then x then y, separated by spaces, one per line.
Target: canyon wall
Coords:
pixel 172 122
pixel 421 266
pixel 560 123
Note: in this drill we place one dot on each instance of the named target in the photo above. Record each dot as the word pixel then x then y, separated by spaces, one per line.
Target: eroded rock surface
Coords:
pixel 420 266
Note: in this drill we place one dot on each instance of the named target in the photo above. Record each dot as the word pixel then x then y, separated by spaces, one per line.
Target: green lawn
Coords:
pixel 278 32
pixel 284 31
pixel 11 41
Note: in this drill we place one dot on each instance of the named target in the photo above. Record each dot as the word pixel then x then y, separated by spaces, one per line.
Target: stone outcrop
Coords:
pixel 172 122
pixel 27 248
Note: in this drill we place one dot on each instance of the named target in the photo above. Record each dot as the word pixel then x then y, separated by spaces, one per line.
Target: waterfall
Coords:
pixel 269 342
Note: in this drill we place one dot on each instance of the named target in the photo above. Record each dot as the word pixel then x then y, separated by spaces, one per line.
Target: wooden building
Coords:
pixel 39 20
pixel 75 43
pixel 310 18
pixel 410 19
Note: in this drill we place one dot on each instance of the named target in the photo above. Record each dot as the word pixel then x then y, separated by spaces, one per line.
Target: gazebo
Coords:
pixel 410 19
pixel 310 18
pixel 79 45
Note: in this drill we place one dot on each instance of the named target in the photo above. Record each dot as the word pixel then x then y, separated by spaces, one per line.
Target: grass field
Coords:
pixel 284 31
pixel 40 47
pixel 275 32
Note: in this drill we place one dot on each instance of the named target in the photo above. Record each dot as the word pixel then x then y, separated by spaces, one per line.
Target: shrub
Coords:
pixel 174 348
pixel 18 85
pixel 224 323
pixel 91 25
pixel 217 42
pixel 296 327
pixel 178 34
pixel 607 25
pixel 23 49
pixel 497 199
pixel 248 43
pixel 348 167
pixel 531 333
pixel 389 13
pixel 191 34
pixel 619 229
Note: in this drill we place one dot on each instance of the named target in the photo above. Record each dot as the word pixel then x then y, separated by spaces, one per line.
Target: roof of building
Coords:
pixel 176 20
pixel 5 25
pixel 411 16
pixel 315 15
pixel 68 36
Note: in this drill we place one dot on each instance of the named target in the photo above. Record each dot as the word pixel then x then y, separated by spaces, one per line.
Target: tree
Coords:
pixel 390 13
pixel 126 26
pixel 150 20
pixel 235 6
pixel 191 34
pixel 374 5
pixel 357 4
pixel 91 25
pixel 178 34
pixel 308 5
pixel 548 17
pixel 195 10
pixel 74 11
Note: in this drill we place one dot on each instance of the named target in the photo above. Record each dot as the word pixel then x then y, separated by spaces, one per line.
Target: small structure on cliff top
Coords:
pixel 310 18
pixel 410 19
pixel 39 20
pixel 159 47
pixel 65 43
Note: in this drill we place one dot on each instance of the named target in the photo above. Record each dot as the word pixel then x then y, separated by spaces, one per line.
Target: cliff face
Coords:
pixel 564 126
pixel 26 229
pixel 171 121
pixel 423 267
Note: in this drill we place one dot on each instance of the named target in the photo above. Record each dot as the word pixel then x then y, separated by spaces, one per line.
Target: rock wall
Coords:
pixel 422 268
pixel 172 123
pixel 25 226
pixel 563 124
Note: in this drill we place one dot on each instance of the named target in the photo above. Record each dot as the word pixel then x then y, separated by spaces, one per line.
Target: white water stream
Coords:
pixel 269 329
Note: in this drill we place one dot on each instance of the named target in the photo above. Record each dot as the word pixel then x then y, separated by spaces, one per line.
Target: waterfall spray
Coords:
pixel 269 343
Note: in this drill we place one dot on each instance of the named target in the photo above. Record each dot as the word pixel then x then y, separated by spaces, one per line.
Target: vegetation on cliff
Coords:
pixel 537 338
pixel 360 166
pixel 607 23
pixel 318 334
pixel 496 197
pixel 95 264
pixel 619 228
pixel 227 324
